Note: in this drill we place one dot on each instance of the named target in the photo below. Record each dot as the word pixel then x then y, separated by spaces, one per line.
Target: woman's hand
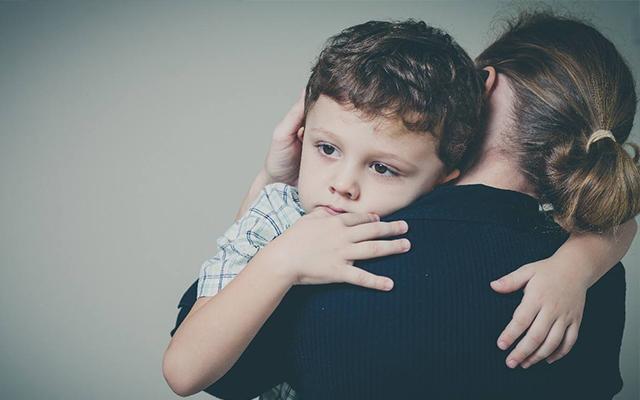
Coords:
pixel 551 310
pixel 320 248
pixel 283 159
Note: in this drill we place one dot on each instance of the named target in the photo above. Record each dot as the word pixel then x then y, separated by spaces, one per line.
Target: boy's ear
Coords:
pixel 452 175
pixel 301 133
pixel 490 78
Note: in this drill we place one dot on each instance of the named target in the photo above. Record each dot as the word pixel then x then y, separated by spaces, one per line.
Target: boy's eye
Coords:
pixel 327 149
pixel 383 170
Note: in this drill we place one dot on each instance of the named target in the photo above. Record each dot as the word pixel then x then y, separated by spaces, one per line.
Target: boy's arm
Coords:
pixel 249 373
pixel 216 332
pixel 555 290
pixel 240 243
pixel 202 351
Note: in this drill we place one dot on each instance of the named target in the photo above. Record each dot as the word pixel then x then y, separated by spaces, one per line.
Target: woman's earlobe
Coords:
pixel 451 176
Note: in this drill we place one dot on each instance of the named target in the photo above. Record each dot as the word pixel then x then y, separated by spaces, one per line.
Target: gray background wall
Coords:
pixel 129 133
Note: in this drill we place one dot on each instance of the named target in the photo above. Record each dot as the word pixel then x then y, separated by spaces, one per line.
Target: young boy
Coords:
pixel 391 111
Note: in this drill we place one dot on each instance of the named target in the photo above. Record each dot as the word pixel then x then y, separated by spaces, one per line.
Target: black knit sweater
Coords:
pixel 434 335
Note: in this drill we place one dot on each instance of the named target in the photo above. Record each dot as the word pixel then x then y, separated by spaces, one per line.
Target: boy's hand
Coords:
pixel 283 160
pixel 551 310
pixel 320 248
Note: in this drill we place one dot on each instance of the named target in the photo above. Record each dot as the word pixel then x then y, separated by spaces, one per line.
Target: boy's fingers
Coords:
pixel 535 336
pixel 352 219
pixel 522 318
pixel 360 277
pixel 318 213
pixel 553 340
pixel 376 248
pixel 376 230
pixel 570 337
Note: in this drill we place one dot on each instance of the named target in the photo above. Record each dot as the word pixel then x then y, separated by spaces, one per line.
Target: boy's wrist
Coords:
pixel 277 263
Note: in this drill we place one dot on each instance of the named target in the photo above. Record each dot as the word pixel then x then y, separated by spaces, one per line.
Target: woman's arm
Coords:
pixel 555 290
pixel 217 331
pixel 283 158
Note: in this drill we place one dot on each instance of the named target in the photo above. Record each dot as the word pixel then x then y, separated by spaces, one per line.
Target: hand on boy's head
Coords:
pixel 283 159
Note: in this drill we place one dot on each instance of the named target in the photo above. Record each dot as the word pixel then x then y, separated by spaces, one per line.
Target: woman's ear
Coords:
pixel 301 133
pixel 490 78
pixel 452 175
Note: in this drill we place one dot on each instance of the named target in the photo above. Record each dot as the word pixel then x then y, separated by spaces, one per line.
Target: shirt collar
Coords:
pixel 479 203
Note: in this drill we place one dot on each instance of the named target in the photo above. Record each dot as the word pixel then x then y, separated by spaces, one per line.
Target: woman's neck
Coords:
pixel 495 170
pixel 496 166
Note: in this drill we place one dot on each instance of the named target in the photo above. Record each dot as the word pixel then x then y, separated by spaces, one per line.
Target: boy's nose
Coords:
pixel 348 189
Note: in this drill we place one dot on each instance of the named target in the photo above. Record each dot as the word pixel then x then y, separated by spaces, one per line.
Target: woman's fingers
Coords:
pixel 551 343
pixel 570 337
pixel 534 338
pixel 522 318
pixel 376 248
pixel 360 277
pixel 376 230
pixel 292 121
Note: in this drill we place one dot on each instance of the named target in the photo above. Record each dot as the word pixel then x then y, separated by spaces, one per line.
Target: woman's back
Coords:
pixel 434 335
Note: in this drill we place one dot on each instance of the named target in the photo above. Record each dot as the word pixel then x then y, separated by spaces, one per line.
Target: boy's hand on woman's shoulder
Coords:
pixel 321 248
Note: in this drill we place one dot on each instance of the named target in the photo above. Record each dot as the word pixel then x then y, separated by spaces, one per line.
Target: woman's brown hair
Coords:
pixel 569 82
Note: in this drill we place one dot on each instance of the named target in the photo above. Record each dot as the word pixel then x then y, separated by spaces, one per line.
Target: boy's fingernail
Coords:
pixel 502 344
pixel 388 285
pixel 512 363
pixel 406 245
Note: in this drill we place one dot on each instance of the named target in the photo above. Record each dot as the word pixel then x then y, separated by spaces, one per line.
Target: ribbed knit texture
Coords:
pixel 434 335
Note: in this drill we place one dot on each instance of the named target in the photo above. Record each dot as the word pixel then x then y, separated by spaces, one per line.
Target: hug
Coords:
pixel 406 199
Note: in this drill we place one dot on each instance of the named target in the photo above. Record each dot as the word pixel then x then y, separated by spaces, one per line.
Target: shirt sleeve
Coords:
pixel 270 214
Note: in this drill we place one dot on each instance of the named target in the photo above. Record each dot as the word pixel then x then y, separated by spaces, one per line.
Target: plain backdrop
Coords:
pixel 130 132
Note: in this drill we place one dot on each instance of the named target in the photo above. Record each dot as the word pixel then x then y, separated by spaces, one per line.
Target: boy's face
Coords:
pixel 354 164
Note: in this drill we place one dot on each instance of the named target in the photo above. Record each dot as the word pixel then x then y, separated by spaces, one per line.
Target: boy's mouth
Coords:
pixel 333 210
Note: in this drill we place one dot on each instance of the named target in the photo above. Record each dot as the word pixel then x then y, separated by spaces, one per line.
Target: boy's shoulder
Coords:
pixel 278 187
pixel 277 196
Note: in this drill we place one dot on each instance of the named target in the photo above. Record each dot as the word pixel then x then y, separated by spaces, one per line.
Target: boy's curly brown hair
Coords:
pixel 405 70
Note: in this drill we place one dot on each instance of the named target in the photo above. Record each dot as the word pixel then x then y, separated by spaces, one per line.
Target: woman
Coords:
pixel 559 146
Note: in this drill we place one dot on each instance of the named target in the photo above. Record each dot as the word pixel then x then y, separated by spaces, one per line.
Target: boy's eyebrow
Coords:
pixel 378 154
pixel 331 134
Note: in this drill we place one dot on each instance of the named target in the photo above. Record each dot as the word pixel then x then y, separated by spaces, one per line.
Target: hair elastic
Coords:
pixel 599 134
